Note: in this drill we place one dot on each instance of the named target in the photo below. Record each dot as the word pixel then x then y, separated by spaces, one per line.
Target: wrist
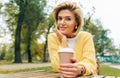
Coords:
pixel 64 42
pixel 81 70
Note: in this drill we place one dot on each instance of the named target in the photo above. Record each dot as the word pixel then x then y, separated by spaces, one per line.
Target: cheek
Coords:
pixel 72 26
pixel 70 29
pixel 58 23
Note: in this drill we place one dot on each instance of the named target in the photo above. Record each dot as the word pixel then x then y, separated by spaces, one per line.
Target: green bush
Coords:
pixel 9 57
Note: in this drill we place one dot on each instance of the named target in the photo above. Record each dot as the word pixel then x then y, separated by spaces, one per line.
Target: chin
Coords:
pixel 63 32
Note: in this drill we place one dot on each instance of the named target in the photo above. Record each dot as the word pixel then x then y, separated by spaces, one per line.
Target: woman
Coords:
pixel 69 21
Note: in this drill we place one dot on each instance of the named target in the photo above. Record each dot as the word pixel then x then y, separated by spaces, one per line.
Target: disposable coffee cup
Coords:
pixel 65 57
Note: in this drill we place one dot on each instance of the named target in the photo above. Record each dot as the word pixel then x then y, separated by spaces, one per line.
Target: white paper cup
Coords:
pixel 65 57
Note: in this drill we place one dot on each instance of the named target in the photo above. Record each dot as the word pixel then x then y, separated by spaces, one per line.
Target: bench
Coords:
pixel 98 66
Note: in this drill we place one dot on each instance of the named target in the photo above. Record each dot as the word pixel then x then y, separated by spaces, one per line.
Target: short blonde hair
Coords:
pixel 71 6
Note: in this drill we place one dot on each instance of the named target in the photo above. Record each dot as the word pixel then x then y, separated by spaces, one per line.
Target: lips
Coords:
pixel 62 28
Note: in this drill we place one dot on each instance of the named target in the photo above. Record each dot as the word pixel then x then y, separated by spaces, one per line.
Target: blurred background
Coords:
pixel 25 24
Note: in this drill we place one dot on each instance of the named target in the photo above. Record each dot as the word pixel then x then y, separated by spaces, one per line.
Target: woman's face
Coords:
pixel 66 22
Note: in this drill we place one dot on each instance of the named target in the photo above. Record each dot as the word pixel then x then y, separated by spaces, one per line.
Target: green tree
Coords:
pixel 36 50
pixel 14 20
pixel 3 52
pixel 50 21
pixel 100 35
pixel 22 5
pixel 11 16
pixel 104 42
pixel 50 24
pixel 34 16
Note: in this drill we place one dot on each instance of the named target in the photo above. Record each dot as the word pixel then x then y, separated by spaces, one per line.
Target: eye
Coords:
pixel 68 18
pixel 59 18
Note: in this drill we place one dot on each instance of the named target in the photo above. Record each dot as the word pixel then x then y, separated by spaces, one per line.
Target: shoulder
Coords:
pixel 53 39
pixel 52 36
pixel 84 35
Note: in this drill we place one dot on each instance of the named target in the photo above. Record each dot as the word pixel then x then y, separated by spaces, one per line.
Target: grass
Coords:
pixel 109 71
pixel 4 62
pixel 49 69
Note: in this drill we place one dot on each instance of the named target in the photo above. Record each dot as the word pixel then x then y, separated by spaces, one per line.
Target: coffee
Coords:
pixel 65 57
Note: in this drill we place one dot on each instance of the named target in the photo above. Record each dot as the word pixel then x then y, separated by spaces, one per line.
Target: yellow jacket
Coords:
pixel 84 51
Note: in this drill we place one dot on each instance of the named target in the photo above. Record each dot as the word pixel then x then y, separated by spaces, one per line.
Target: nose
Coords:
pixel 62 21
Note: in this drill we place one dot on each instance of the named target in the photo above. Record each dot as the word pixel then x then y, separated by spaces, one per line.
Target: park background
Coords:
pixel 25 25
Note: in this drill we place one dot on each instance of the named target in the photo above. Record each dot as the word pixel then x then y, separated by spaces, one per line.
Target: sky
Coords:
pixel 106 10
pixel 109 13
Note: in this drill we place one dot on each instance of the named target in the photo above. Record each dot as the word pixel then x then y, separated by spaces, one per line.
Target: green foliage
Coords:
pixel 36 50
pixel 3 52
pixel 104 43
pixel 9 57
pixel 6 53
pixel 0 7
pixel 51 21
pixel 33 22
pixel 34 16
pixel 23 47
pixel 50 25
pixel 11 13
pixel 100 35
pixel 2 55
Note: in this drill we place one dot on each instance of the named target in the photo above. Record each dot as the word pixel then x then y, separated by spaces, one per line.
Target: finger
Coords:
pixel 72 70
pixel 68 74
pixel 57 31
pixel 68 65
pixel 73 60
pixel 68 68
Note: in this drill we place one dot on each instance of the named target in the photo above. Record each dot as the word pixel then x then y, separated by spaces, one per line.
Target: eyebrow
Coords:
pixel 64 16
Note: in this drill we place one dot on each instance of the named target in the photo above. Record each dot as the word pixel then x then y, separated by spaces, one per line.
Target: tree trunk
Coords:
pixel 45 54
pixel 45 47
pixel 28 48
pixel 17 58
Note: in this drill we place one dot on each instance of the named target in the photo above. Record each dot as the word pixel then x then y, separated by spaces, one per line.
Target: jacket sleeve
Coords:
pixel 88 59
pixel 53 51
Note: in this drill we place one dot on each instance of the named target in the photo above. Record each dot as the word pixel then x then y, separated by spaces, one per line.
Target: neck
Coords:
pixel 71 36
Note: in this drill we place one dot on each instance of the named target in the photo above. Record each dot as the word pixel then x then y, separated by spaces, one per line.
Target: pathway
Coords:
pixel 113 65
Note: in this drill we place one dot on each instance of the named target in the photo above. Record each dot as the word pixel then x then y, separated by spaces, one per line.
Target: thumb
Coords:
pixel 73 60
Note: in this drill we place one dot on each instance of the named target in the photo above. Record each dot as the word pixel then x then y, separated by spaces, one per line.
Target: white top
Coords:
pixel 71 43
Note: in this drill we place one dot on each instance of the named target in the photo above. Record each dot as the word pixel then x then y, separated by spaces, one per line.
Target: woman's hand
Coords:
pixel 69 70
pixel 59 34
pixel 61 37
